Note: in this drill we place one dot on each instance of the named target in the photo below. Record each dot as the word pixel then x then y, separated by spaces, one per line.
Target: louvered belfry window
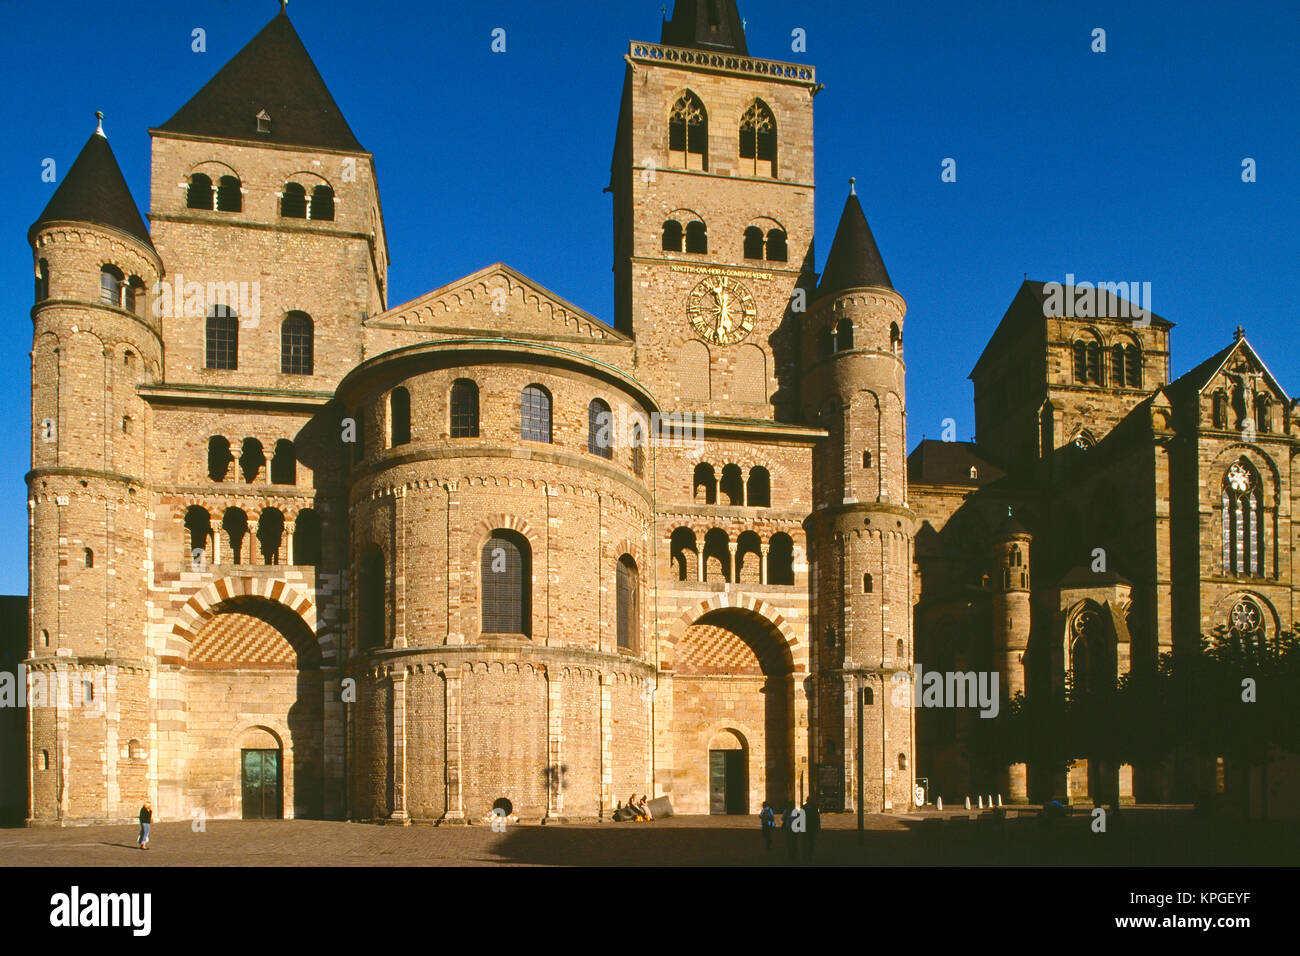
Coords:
pixel 506 576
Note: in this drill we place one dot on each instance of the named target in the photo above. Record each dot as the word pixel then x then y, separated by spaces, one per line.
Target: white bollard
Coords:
pixel 968 803
pixel 990 801
pixel 999 799
pixel 938 803
pixel 981 800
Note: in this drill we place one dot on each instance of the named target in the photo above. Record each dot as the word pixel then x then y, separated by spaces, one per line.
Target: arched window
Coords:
pixel 110 285
pixel 198 524
pixel 776 245
pixel 600 429
pixel 372 614
pixel 535 414
pixel 704 484
pixel 684 554
pixel 293 201
pixel 464 408
pixel 1017 559
pixel 868 696
pixel 1263 413
pixel 45 638
pixel 758 490
pixel 322 203
pixel 133 294
pixel 688 133
pixel 895 338
pixel 628 596
pixel 749 557
pixel 697 237
pixel 1086 664
pixel 717 556
pixel 284 464
pixel 88 557
pixel 229 198
pixel 235 524
pixel 1081 361
pixel 758 140
pixel 672 236
pixel 780 559
pixel 1243 521
pixel 198 195
pixel 867 583
pixel 902 761
pixel 251 459
pixel 638 449
pixel 1094 362
pixel 297 337
pixel 399 417
pixel 1117 366
pixel 829 637
pixel 270 534
pixel 506 574
pixel 732 485
pixel 1133 366
pixel 866 459
pixel 1088 361
pixel 306 538
pixel 844 334
pixel 1220 409
pixel 222 339
pixel 753 242
pixel 43 761
pixel 42 280
pixel 219 458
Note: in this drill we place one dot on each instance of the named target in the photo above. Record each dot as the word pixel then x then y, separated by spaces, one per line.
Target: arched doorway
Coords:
pixel 254 714
pixel 733 714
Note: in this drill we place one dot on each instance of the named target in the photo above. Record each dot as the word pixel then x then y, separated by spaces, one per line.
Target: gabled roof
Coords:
pixel 1084 577
pixel 273 72
pixel 472 304
pixel 949 463
pixel 706 25
pixel 1192 382
pixel 1028 310
pixel 854 259
pixel 95 191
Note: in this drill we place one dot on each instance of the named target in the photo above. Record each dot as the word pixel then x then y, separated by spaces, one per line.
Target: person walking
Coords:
pixel 146 818
pixel 812 819
pixel 767 823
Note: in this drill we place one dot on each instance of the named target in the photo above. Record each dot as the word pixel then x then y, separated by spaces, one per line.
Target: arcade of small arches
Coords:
pixel 252 461
pixel 270 534
pixel 1118 365
pixel 684 231
pixel 839 338
pixel 710 555
pixel 754 492
pixel 226 194
pixel 1257 411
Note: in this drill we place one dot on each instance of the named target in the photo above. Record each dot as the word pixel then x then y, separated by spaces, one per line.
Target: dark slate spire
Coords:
pixel 95 191
pixel 854 259
pixel 706 25
pixel 273 72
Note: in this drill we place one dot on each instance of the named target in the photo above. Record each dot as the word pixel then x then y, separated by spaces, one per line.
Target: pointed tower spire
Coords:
pixel 706 25
pixel 272 73
pixel 95 191
pixel 854 259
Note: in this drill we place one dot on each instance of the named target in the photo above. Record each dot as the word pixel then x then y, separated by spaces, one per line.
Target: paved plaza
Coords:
pixel 1140 837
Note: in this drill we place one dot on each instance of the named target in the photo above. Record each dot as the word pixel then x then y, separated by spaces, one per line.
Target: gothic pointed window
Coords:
pixel 758 140
pixel 1220 409
pixel 688 133
pixel 1263 414
pixel 1242 521
pixel 1085 652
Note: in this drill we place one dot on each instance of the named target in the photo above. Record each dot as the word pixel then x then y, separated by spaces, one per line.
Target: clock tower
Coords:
pixel 713 215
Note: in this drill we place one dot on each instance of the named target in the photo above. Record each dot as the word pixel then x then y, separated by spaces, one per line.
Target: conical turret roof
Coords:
pixel 272 73
pixel 854 259
pixel 95 191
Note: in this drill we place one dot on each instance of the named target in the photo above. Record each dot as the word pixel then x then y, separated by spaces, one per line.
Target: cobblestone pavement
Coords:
pixel 1140 837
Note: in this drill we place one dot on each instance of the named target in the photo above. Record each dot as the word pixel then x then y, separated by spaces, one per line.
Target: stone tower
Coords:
pixel 94 342
pixel 712 179
pixel 861 528
pixel 1011 626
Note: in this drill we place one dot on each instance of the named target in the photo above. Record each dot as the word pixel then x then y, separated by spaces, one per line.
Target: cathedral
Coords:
pixel 296 551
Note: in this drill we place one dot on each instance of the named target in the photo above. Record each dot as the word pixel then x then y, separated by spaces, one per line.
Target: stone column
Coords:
pixel 555 748
pixel 289 527
pixel 455 794
pixel 729 572
pixel 216 547
pixel 399 748
pixel 699 562
pixel 762 564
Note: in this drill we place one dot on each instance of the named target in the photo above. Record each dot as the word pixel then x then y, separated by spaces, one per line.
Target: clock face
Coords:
pixel 721 310
pixel 1239 479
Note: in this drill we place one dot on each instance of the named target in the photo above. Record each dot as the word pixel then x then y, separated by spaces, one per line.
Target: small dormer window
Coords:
pixel 974 472
pixel 263 121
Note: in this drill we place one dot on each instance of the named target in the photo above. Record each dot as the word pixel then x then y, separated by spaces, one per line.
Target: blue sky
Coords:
pixel 1123 165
